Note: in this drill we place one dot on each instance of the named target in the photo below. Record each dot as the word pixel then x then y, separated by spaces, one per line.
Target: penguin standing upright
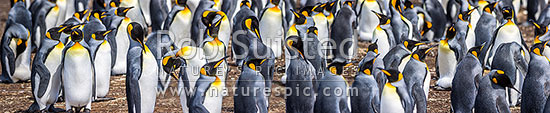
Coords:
pixel 343 33
pixel 491 95
pixel 395 98
pixel 464 28
pixel 533 94
pixel 510 59
pixel 80 5
pixel 314 56
pixel 449 53
pixel 239 16
pixel 439 19
pixel 383 36
pixel 43 18
pixel 222 29
pixel 250 78
pixel 178 23
pixel 208 95
pixel 197 27
pixel 300 75
pixel 272 27
pixel 62 7
pixel 365 84
pixel 159 12
pixel 486 25
pixel 214 48
pixel 321 23
pixel 78 73
pixel 136 14
pixel 15 53
pixel 367 19
pixel 93 24
pixel 507 32
pixel 467 74
pixel 401 26
pixel 241 42
pixel 417 77
pixel 120 42
pixel 45 73
pixel 141 78
pixel 69 9
pixel 100 52
pixel 330 100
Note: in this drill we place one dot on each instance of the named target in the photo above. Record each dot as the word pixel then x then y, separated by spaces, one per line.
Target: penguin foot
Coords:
pixel 86 110
pixel 56 110
pixel 439 88
pixel 101 99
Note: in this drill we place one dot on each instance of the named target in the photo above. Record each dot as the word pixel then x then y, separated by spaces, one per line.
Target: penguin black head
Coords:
pixel 213 21
pixel 76 35
pixel 420 54
pixel 408 5
pixel 114 3
pixel 392 75
pixel 410 44
pixel 55 33
pixel 208 16
pixel 254 63
pixel 329 6
pixel 539 31
pixel 368 66
pixel 337 67
pixel 475 50
pixel 96 14
pixel 312 30
pixel 275 2
pixel 384 20
pixel 538 48
pixel 81 14
pixel 397 5
pixel 507 13
pixel 170 64
pixel 373 47
pixel 295 42
pixel 319 8
pixel 209 69
pixel 500 78
pixel 136 32
pixel 491 7
pixel 251 23
pixel 181 2
pixel 307 11
pixel 465 15
pixel 245 3
pixel 451 32
pixel 15 1
pixel 349 3
pixel 100 35
pixel 426 27
pixel 121 11
pixel 300 19
pixel 101 3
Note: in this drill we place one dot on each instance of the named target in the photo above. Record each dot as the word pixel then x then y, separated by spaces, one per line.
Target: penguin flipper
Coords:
pixel 112 42
pixel 420 97
pixel 45 76
pixel 198 98
pixel 133 76
pixel 502 105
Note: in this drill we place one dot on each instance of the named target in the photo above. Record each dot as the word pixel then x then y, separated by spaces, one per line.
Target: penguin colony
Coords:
pixel 482 57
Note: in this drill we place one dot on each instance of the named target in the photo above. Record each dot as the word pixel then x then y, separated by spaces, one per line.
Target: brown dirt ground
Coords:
pixel 17 97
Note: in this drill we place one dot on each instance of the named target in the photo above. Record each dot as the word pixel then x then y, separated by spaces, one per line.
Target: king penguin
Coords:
pixel 45 74
pixel 240 43
pixel 141 78
pixel 368 20
pixel 333 90
pixel 439 19
pixel 510 59
pixel 100 52
pixel 300 75
pixel 208 95
pixel 449 53
pixel 417 77
pixel 401 26
pixel 533 95
pixel 366 98
pixel 383 36
pixel 464 83
pixel 272 27
pixel 250 88
pixel 222 29
pixel 15 53
pixel 178 23
pixel 214 48
pixel 321 23
pixel 395 98
pixel 78 73
pixel 491 95
pixel 120 42
pixel 464 28
pixel 42 14
pixel 136 14
pixel 197 26
pixel 507 32
pixel 343 33
pixel 486 25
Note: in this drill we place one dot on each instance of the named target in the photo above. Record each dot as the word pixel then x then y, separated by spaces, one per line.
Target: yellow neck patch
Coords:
pixel 367 71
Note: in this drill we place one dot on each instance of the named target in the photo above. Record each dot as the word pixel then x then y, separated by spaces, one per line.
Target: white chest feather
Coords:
pixel 390 102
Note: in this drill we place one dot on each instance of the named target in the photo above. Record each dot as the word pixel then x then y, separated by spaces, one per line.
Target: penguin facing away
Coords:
pixel 464 83
pixel 533 97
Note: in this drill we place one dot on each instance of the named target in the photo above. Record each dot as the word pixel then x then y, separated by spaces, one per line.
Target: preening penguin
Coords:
pixel 194 58
pixel 468 73
pixel 78 73
pixel 272 27
pixel 300 75
pixel 141 79
pixel 250 88
pixel 333 90
pixel 217 24
pixel 439 19
pixel 366 99
pixel 242 40
pixel 120 42
pixel 491 96
pixel 208 95
pixel 533 97
pixel 15 53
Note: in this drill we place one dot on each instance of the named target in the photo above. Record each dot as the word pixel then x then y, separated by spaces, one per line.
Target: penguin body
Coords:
pixel 417 77
pixel 343 33
pixel 120 41
pixel 250 78
pixel 272 26
pixel 544 18
pixel 78 72
pixel 491 96
pixel 180 16
pixel 321 23
pixel 194 58
pixel 329 100
pixel 383 36
pixel 395 98
pixel 16 53
pixel 62 7
pixel 159 10
pixel 464 28
pixel 512 61
pixel 241 42
pixel 507 32
pixel 145 6
pixel 533 98
pixel 300 75
pixel 69 9
pixel 449 53
pixel 40 10
pixel 136 13
pixel 464 83
pixel 197 24
pixel 100 52
pixel 259 50
pixel 142 74
pixel 367 99
pixel 486 26
pixel 401 26
pixel 208 90
pixel 240 16
pixel 439 19
pixel 368 19
pixel 315 57
pixel 160 45
pixel 80 5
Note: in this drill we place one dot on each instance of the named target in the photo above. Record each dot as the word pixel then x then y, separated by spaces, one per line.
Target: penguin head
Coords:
pixel 451 32
pixel 299 18
pixel 373 48
pixel 55 32
pixel 70 27
pixel 538 48
pixel 15 1
pixel 500 78
pixel 465 15
pixel 397 5
pixel 349 3
pixel 392 75
pixel 254 63
pixel 80 15
pixel 170 64
pixel 213 21
pixel 76 35
pixel 209 69
pixel 329 7
pixel 307 11
pixel 490 8
pixel 252 24
pixel 410 44
pixel 507 13
pixel 408 5
pixel 420 54
pixel 295 43
pixel 476 50
pixel 368 66
pixel 96 14
pixel 181 2
pixel 101 3
pixel 121 11
pixel 426 27
pixel 337 67
pixel 539 31
pixel 312 30
pixel 114 3
pixel 319 8
pixel 245 3
pixel 275 2
pixel 136 32
pixel 384 20
pixel 100 35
